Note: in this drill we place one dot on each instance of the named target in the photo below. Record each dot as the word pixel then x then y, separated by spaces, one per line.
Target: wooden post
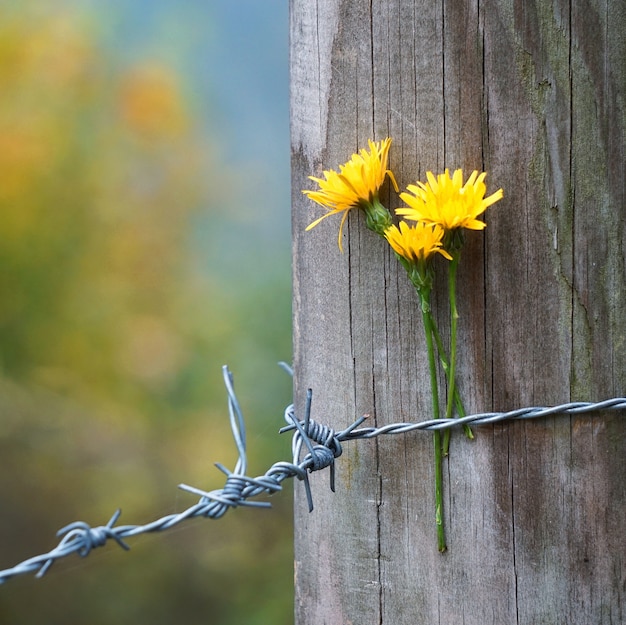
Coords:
pixel 534 94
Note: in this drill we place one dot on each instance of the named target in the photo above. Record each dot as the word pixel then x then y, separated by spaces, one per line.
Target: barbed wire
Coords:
pixel 322 445
pixel 486 418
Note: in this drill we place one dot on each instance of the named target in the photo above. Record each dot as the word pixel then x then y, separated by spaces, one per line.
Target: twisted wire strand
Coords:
pixel 79 537
pixel 486 418
pixel 320 444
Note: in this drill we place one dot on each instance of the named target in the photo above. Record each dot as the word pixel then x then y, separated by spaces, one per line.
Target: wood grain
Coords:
pixel 532 92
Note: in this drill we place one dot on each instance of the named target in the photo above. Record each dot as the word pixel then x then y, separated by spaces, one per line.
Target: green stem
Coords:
pixel 454 316
pixel 446 368
pixel 432 366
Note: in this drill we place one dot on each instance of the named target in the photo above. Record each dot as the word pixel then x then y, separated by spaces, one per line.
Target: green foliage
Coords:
pixel 112 336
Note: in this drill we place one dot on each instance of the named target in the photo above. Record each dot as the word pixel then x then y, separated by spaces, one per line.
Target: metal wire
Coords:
pixel 486 418
pixel 321 444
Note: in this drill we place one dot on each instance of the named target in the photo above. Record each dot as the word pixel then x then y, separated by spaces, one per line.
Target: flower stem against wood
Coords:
pixel 432 366
pixel 454 316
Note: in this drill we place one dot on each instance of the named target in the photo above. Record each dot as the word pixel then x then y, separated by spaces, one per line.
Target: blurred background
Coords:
pixel 144 243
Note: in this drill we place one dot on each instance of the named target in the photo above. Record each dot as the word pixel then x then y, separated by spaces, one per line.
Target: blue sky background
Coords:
pixel 234 57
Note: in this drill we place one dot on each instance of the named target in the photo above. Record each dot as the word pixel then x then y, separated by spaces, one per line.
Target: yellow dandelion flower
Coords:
pixel 355 185
pixel 448 202
pixel 418 243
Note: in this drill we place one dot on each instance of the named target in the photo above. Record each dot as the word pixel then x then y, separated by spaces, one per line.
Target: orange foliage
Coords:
pixel 151 104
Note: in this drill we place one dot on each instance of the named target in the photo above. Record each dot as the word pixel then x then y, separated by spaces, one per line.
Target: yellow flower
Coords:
pixel 448 202
pixel 418 243
pixel 356 184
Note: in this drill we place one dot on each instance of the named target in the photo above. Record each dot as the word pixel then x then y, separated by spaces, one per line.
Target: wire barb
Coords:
pixel 322 445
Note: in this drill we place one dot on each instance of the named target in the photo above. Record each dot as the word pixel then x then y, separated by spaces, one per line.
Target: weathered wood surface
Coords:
pixel 534 93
